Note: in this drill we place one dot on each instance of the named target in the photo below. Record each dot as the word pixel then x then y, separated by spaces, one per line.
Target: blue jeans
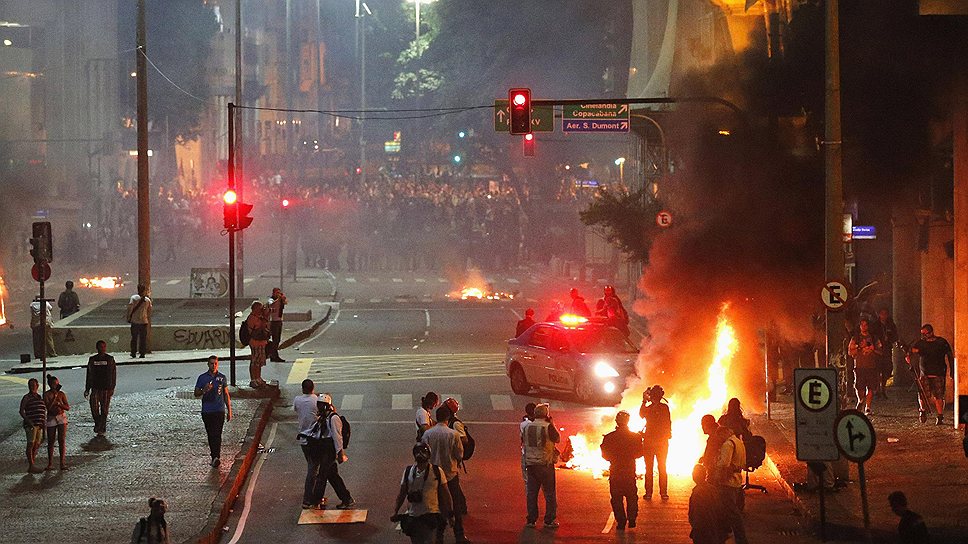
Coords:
pixel 315 485
pixel 542 477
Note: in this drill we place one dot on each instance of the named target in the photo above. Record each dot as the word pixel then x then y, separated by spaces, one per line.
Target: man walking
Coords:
pixel 68 301
pixel 936 358
pixel 34 413
pixel 539 438
pixel 447 451
pixel 307 416
pixel 139 316
pixel 212 387
pixel 41 325
pixel 277 304
pixel 102 376
pixel 885 329
pixel 865 348
pixel 621 448
pixel 729 481
pixel 331 430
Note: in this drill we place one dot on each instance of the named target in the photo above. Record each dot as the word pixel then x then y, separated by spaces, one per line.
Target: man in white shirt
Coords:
pixel 41 324
pixel 139 316
pixel 333 452
pixel 307 415
pixel 447 451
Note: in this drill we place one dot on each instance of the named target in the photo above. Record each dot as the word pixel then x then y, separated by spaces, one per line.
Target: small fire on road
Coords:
pixel 3 307
pixel 688 441
pixel 98 282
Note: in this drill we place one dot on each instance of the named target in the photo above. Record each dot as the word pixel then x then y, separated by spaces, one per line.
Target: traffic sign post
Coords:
pixel 815 412
pixel 595 118
pixel 663 219
pixel 542 117
pixel 856 440
pixel 834 295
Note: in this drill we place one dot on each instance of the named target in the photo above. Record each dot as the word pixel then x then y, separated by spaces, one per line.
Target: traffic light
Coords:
pixel 244 219
pixel 230 212
pixel 41 243
pixel 285 203
pixel 519 105
pixel 528 145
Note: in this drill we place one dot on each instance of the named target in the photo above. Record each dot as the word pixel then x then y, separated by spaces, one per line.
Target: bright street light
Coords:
pixel 416 8
pixel 620 161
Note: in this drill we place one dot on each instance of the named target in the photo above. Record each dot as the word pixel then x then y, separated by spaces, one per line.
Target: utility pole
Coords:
pixel 960 151
pixel 362 28
pixel 232 184
pixel 833 169
pixel 144 207
pixel 240 177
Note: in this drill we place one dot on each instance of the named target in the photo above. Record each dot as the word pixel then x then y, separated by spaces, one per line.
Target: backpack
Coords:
pixel 244 333
pixel 755 451
pixel 346 428
pixel 471 443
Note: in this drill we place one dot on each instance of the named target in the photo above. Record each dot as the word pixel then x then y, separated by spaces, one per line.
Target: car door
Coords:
pixel 535 358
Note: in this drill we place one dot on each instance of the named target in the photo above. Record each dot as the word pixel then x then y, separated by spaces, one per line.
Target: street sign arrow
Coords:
pixel 855 436
pixel 624 108
pixel 501 115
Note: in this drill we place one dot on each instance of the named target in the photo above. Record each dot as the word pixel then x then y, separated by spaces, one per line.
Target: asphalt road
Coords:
pixel 377 363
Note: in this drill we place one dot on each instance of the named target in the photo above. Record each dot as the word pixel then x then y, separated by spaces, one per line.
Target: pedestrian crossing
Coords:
pixel 12 386
pixel 371 368
pixel 408 402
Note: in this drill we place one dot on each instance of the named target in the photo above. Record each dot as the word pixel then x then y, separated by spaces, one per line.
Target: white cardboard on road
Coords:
pixel 815 411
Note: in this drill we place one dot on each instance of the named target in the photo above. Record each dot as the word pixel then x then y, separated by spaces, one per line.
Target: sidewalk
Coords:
pixel 925 461
pixel 155 447
pixel 293 332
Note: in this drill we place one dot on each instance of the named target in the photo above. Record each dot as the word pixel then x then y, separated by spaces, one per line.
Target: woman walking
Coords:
pixel 57 407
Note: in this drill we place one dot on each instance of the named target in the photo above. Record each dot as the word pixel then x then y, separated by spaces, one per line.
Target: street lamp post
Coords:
pixel 416 12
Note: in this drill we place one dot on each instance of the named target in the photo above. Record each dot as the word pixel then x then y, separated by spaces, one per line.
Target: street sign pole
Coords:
pixel 43 334
pixel 863 498
pixel 856 440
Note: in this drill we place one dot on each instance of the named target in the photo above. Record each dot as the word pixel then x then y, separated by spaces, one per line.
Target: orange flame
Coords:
pixel 107 282
pixel 471 292
pixel 3 310
pixel 688 441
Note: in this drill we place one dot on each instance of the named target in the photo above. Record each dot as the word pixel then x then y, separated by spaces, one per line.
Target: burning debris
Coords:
pixel 98 282
pixel 687 407
pixel 3 307
pixel 476 293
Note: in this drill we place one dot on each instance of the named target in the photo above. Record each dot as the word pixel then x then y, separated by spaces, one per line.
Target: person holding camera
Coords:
pixel 658 431
pixel 57 407
pixel 539 438
pixel 424 487
pixel 447 452
pixel 331 432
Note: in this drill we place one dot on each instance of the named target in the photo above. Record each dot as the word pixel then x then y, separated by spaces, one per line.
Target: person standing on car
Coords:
pixel 424 487
pixel 578 304
pixel 525 323
pixel 139 316
pixel 311 443
pixel 621 448
pixel 276 306
pixel 658 431
pixel 102 376
pixel 447 451
pixel 68 302
pixel 539 438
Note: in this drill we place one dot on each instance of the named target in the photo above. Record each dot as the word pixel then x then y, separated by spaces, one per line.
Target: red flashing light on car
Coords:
pixel 571 320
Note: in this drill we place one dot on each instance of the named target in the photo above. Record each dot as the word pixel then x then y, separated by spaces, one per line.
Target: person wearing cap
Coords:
pixel 658 431
pixel 447 451
pixel 525 323
pixel 212 387
pixel 331 431
pixel 621 448
pixel 424 487
pixel 539 438
pixel 311 443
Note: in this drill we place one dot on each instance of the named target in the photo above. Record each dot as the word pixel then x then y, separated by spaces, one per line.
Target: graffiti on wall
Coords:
pixel 198 338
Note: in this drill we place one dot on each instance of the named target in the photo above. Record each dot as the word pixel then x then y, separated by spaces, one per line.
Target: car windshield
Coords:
pixel 600 340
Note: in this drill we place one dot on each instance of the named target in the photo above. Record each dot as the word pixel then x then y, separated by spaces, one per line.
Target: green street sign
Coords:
pixel 593 112
pixel 542 117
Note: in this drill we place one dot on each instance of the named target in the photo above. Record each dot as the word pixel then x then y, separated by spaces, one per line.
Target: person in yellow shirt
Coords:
pixel 729 481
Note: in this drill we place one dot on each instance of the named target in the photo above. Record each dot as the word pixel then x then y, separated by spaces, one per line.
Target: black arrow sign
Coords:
pixel 853 436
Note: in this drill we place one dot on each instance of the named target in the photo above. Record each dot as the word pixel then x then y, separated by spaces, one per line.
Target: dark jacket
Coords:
pixel 102 372
pixel 621 448
pixel 523 325
pixel 658 421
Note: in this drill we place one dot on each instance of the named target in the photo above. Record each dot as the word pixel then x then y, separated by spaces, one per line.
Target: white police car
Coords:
pixel 588 358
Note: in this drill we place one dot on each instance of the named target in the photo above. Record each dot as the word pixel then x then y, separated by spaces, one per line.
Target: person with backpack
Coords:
pixel 257 324
pixel 447 451
pixel 730 463
pixel 425 419
pixel 334 431
pixel 430 503
pixel 152 529
pixel 621 448
pixel 468 443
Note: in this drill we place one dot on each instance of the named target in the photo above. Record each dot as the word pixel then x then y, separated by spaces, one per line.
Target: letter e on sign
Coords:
pixel 663 219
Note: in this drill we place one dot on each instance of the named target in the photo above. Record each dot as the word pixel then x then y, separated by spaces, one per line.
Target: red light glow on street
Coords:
pixel 230 197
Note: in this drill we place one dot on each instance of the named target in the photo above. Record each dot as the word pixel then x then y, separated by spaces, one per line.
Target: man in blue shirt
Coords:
pixel 216 405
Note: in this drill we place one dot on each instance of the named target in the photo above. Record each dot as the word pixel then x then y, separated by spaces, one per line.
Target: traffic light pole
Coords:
pixel 232 248
pixel 43 334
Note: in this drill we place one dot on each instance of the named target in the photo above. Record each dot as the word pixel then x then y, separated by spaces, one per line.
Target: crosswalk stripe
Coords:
pixel 512 280
pixel 420 280
pixel 154 281
pixel 15 379
pixel 501 402
pixel 402 402
pixel 299 371
pixel 349 300
pixel 441 280
pixel 350 280
pixel 374 280
pixel 248 280
pixel 352 402
pixel 376 300
pixel 397 280
pixel 173 282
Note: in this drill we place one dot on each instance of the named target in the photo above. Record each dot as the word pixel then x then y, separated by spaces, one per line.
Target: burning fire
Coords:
pixel 471 292
pixel 688 441
pixel 107 282
pixel 3 309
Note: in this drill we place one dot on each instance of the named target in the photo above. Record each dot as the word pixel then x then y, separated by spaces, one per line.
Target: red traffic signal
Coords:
pixel 528 145
pixel 519 106
pixel 285 203
pixel 244 219
pixel 235 214
pixel 230 197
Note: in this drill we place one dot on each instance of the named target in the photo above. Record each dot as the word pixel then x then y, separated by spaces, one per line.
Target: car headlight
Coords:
pixel 605 370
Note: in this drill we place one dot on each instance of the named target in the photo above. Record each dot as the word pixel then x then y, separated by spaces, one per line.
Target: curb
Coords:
pixel 299 336
pixel 222 506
